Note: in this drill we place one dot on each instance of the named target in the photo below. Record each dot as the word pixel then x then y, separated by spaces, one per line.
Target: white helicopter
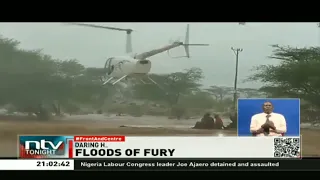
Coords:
pixel 135 65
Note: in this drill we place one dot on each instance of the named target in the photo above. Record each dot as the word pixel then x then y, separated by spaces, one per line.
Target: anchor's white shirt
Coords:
pixel 278 120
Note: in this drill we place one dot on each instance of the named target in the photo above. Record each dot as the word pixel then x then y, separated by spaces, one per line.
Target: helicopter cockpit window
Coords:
pixel 108 66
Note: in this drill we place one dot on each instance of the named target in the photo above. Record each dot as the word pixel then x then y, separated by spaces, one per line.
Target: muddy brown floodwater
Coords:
pixel 143 126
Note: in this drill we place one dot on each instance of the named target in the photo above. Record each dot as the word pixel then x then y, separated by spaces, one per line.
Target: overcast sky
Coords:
pixel 93 46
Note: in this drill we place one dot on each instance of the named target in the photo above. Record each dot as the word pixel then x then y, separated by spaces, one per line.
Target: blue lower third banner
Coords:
pixel 197 164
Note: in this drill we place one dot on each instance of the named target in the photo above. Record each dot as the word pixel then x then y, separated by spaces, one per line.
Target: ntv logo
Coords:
pixel 45 146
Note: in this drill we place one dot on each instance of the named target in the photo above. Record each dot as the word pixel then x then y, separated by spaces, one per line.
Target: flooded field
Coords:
pixel 144 121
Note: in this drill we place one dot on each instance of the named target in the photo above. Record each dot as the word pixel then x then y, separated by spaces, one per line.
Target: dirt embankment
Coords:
pixel 10 130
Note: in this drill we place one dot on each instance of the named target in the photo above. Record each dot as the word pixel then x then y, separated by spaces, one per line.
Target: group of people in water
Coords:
pixel 215 122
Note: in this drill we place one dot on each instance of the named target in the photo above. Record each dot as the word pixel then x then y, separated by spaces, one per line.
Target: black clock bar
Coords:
pixel 310 164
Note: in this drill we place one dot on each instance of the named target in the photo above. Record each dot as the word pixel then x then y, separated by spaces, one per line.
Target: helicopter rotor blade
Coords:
pixel 102 27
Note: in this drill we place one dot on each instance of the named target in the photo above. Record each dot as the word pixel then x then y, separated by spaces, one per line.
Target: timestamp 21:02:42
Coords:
pixel 53 163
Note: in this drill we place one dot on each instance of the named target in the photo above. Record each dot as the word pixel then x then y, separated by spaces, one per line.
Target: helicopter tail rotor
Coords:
pixel 186 45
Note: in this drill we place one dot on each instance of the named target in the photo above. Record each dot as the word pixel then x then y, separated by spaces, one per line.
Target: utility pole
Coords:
pixel 318 24
pixel 236 51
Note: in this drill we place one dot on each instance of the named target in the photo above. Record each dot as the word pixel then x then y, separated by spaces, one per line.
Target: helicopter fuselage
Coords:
pixel 125 65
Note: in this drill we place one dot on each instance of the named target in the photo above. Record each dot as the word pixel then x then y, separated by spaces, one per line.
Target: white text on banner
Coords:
pixel 36 164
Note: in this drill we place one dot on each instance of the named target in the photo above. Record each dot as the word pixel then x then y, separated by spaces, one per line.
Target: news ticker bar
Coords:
pixel 159 164
pixel 197 164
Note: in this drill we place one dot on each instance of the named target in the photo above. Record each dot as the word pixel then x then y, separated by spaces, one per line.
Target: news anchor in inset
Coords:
pixel 268 123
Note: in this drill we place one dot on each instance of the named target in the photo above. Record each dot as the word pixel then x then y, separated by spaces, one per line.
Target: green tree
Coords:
pixel 251 92
pixel 296 75
pixel 183 83
pixel 199 99
pixel 34 82
pixel 150 91
pixel 171 86
pixel 26 78
pixel 220 91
